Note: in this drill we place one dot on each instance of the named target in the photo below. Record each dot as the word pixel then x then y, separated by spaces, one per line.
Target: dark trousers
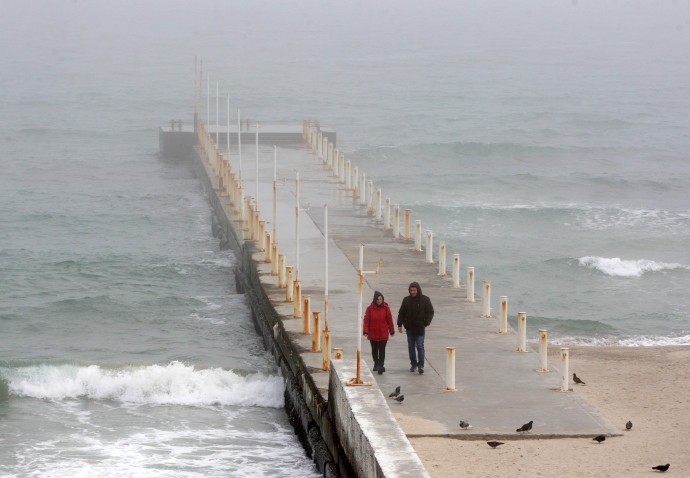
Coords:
pixel 378 351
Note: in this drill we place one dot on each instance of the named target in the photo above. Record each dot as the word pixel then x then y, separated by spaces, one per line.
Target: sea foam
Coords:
pixel 617 267
pixel 175 383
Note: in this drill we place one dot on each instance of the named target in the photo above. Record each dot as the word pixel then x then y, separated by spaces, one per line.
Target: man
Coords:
pixel 415 314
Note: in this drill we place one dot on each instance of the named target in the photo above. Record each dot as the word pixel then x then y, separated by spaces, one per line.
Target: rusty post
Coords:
pixel 257 234
pixel 267 240
pixel 342 167
pixel 326 359
pixel 543 350
pixel 363 191
pixel 282 272
pixel 330 156
pixel 324 148
pixel 387 215
pixel 429 246
pixel 348 176
pixel 456 271
pixel 565 375
pixel 442 258
pixel 319 146
pixel 289 287
pixel 298 300
pixel 316 333
pixel 522 332
pixel 504 315
pixel 336 164
pixel 274 259
pixel 306 323
pixel 470 284
pixel 378 205
pixel 355 186
pixel 337 353
pixel 487 299
pixel 450 368
pixel 370 201
pixel 407 225
pixel 396 222
pixel 418 236
pixel 262 237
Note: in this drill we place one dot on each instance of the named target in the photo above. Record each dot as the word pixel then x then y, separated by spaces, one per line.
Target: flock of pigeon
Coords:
pixel 528 426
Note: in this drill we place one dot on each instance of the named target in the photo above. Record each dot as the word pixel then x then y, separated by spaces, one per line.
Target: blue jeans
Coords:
pixel 415 346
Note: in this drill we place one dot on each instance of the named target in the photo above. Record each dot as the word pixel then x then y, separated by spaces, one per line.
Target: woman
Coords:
pixel 378 323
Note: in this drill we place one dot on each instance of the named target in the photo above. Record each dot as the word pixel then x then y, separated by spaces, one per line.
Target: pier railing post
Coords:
pixel 298 300
pixel 370 201
pixel 378 205
pixel 418 236
pixel 326 362
pixel 543 350
pixel 262 238
pixel 407 225
pixel 522 332
pixel 282 272
pixel 306 323
pixel 316 333
pixel 442 258
pixel 342 167
pixel 456 271
pixel 565 375
pixel 450 368
pixel 487 299
pixel 470 284
pixel 355 185
pixel 330 156
pixel 267 246
pixel 504 315
pixel 348 176
pixel 396 222
pixel 387 215
pixel 429 246
pixel 289 289
pixel 274 259
pixel 363 191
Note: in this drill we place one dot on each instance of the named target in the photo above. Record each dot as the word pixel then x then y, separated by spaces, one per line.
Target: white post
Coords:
pixel 543 350
pixel 396 222
pixel 282 280
pixel 342 166
pixel 217 144
pixel 450 368
pixel 487 299
pixel 378 205
pixel 228 135
pixel 442 258
pixel 387 215
pixel 429 246
pixel 239 143
pixel 275 194
pixel 257 166
pixel 504 315
pixel 361 257
pixel 330 155
pixel 565 375
pixel 456 271
pixel 290 286
pixel 296 226
pixel 348 176
pixel 370 195
pixel 363 191
pixel 418 235
pixel 325 248
pixel 336 163
pixel 522 332
pixel 208 98
pixel 470 284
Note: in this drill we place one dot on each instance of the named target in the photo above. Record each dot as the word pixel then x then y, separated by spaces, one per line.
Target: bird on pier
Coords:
pixel 599 438
pixel 400 398
pixel 661 468
pixel 526 427
pixel 576 379
pixel 464 425
pixel 628 425
pixel 494 444
pixel 396 392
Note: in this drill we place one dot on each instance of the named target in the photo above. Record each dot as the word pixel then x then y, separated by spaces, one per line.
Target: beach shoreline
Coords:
pixel 649 386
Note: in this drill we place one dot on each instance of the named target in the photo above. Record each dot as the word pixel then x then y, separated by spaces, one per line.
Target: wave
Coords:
pixel 612 341
pixel 616 267
pixel 172 384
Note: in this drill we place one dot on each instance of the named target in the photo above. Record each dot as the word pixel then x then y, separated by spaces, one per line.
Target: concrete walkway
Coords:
pixel 498 389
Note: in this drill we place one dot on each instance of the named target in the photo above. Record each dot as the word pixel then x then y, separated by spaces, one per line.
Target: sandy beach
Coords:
pixel 649 386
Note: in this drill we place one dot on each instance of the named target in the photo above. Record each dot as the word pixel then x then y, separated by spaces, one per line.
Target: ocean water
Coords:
pixel 546 142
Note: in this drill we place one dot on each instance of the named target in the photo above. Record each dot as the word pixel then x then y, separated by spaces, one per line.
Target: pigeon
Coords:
pixel 599 438
pixel 628 425
pixel 464 425
pixel 576 379
pixel 494 444
pixel 400 398
pixel 526 427
pixel 396 392
pixel 661 468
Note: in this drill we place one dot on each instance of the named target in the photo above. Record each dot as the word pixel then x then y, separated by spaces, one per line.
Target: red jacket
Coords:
pixel 378 322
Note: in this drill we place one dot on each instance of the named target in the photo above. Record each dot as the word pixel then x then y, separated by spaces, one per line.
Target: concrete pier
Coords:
pixel 497 389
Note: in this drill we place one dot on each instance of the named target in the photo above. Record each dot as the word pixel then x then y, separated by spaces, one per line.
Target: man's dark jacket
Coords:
pixel 415 312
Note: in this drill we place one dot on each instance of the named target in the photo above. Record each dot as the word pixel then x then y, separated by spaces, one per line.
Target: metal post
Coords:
pixel 282 272
pixel 336 164
pixel 319 144
pixel 543 350
pixel 387 215
pixel 298 300
pixel 337 353
pixel 378 205
pixel 262 237
pixel 326 362
pixel 316 334
pixel 289 287
pixel 274 258
pixel 522 332
pixel 348 176
pixel 429 246
pixel 442 258
pixel 355 186
pixel 418 235
pixel 470 284
pixel 217 127
pixel 267 244
pixel 396 222
pixel 363 191
pixel 487 299
pixel 342 167
pixel 326 357
pixel 456 271
pixel 250 218
pixel 330 156
pixel 306 323
pixel 450 368
pixel 257 165
pixel 504 315
pixel 257 234
pixel 370 202
pixel 297 225
pixel 239 143
pixel 407 225
pixel 565 375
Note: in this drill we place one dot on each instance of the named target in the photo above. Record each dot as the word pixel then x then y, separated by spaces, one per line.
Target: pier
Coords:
pixel 495 387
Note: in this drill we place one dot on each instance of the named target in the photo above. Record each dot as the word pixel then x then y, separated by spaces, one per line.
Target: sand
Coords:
pixel 649 386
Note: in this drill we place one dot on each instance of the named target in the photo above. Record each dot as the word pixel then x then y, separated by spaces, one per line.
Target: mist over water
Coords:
pixel 545 142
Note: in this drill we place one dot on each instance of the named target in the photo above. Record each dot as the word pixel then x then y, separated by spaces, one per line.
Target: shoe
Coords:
pixel 420 370
pixel 382 369
pixel 376 367
pixel 413 368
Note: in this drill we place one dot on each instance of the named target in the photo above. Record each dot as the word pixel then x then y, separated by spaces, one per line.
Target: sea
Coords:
pixel 546 142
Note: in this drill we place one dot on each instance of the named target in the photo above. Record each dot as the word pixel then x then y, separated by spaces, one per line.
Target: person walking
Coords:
pixel 378 323
pixel 415 314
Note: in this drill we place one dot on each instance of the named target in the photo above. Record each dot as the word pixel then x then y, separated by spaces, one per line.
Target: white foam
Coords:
pixel 617 267
pixel 174 383
pixel 638 341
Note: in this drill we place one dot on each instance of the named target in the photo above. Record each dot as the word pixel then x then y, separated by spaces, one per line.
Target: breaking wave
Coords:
pixel 616 267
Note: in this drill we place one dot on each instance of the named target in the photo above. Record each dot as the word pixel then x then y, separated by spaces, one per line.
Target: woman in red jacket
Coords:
pixel 378 323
